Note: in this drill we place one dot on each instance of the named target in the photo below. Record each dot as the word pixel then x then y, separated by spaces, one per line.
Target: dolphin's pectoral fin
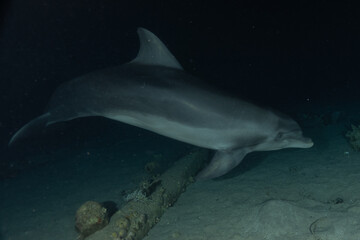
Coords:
pixel 32 126
pixel 222 163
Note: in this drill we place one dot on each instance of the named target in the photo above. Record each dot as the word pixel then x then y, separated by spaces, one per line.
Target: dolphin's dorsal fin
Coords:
pixel 154 52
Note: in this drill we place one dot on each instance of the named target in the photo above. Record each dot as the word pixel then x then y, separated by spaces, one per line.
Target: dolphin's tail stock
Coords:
pixel 34 125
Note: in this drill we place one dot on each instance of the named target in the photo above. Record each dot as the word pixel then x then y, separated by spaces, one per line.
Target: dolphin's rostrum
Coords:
pixel 153 92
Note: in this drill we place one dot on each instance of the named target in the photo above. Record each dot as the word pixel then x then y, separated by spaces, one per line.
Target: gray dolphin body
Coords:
pixel 153 92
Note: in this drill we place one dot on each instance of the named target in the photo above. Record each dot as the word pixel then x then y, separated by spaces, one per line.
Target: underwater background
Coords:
pixel 301 58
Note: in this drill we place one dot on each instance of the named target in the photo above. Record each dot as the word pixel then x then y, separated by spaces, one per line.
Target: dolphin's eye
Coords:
pixel 280 135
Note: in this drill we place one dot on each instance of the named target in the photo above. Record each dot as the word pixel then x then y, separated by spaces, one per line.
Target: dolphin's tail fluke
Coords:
pixel 34 125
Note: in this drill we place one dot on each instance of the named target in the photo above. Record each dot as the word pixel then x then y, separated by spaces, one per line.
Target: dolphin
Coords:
pixel 153 92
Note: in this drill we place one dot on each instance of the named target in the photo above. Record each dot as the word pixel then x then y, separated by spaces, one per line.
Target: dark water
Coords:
pixel 303 53
pixel 301 58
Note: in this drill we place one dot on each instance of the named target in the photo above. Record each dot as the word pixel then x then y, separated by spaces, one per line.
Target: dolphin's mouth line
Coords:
pixel 154 93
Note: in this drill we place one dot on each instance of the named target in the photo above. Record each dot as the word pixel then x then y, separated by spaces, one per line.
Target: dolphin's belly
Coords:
pixel 218 139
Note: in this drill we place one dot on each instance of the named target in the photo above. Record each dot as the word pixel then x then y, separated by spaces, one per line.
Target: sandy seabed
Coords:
pixel 291 194
pixel 311 194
